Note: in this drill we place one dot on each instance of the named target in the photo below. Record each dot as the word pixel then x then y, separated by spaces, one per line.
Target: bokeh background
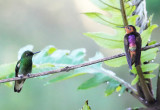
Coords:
pixel 62 24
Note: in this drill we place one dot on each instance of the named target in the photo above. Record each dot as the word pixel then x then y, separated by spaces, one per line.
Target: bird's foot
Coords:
pixel 67 68
pixel 20 76
pixel 29 75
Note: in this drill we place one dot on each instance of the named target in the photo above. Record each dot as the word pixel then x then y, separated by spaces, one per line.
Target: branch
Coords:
pixel 158 88
pixel 151 46
pixel 125 22
pixel 148 96
pixel 68 68
pixel 130 90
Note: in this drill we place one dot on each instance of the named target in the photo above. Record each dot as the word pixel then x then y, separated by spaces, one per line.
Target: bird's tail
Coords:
pixel 18 85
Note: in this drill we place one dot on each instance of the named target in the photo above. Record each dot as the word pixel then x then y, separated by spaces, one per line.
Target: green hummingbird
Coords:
pixel 23 68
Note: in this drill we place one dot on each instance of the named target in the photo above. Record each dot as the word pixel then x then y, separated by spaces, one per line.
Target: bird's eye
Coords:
pixel 129 28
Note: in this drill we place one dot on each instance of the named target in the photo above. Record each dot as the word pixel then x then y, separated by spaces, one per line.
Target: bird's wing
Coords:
pixel 138 49
pixel 17 68
pixel 126 46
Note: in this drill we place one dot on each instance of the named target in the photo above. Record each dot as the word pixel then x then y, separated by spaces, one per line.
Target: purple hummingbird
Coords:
pixel 132 44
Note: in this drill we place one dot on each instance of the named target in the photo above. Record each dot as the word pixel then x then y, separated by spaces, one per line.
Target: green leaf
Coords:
pixel 129 10
pixel 51 50
pixel 152 42
pixel 149 76
pixel 7 69
pixel 107 4
pixel 147 33
pixel 118 88
pixel 46 56
pixel 132 20
pixel 117 62
pixel 100 75
pixel 98 79
pixel 94 69
pixel 146 68
pixel 146 76
pixel 86 106
pixel 42 68
pixel 135 80
pixel 100 18
pixel 64 77
pixel 52 58
pixel 150 20
pixel 149 55
pixel 111 7
pixel 123 88
pixel 9 84
pixel 111 87
pixel 106 40
pixel 150 67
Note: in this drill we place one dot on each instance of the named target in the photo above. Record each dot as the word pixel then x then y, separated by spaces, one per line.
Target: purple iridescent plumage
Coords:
pixel 132 40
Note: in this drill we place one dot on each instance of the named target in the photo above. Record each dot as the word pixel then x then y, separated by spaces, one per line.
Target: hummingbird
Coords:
pixel 23 68
pixel 132 44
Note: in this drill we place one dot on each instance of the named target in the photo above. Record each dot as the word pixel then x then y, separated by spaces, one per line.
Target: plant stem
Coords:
pixel 158 88
pixel 125 21
pixel 148 96
pixel 130 90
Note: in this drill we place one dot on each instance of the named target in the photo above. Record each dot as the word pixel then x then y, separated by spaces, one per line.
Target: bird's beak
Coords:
pixel 120 27
pixel 36 52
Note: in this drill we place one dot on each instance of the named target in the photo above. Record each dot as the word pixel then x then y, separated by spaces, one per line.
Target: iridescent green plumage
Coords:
pixel 23 67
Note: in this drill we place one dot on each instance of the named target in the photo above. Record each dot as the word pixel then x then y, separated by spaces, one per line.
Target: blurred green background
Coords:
pixel 59 23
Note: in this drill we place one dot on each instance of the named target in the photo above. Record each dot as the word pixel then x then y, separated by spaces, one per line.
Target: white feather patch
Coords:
pixel 19 86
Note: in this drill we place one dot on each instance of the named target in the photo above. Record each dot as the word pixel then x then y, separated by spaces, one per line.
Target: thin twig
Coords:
pixel 158 88
pixel 125 22
pixel 151 46
pixel 130 90
pixel 68 68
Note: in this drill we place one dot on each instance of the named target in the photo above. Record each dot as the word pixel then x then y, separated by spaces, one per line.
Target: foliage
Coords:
pixel 51 58
pixel 116 41
pixel 86 106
